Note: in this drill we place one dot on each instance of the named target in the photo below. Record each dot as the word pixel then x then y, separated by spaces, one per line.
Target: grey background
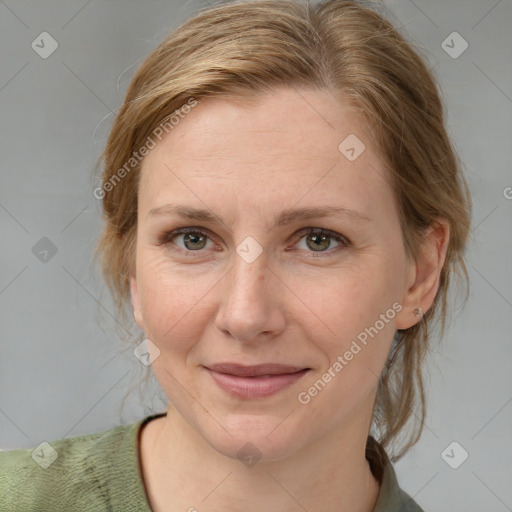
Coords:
pixel 62 369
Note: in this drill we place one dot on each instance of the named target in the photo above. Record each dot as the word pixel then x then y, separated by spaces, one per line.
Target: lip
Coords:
pixel 257 381
pixel 256 370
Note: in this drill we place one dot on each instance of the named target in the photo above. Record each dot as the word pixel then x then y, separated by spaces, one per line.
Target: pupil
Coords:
pixel 318 239
pixel 193 238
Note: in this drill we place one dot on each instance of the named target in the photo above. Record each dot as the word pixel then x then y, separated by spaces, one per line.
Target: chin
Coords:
pixel 254 439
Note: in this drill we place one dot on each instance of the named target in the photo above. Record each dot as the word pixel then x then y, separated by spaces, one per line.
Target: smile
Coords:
pixel 252 382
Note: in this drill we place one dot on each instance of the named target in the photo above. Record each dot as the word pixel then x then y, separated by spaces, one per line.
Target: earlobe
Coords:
pixel 137 312
pixel 424 275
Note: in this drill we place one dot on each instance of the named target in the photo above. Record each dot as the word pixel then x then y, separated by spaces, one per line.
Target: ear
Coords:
pixel 137 311
pixel 424 274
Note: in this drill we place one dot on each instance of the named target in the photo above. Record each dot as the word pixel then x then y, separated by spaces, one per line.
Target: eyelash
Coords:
pixel 166 237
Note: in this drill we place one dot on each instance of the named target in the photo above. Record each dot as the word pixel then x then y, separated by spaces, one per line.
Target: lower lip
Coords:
pixel 255 387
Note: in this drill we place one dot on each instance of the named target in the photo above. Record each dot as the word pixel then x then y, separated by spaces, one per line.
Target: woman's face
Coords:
pixel 252 285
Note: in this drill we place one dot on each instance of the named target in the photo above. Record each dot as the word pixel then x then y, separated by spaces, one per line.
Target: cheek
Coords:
pixel 340 303
pixel 332 305
pixel 354 321
pixel 173 299
pixel 355 353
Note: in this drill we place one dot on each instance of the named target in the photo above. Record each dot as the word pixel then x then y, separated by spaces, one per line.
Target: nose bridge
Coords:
pixel 247 308
pixel 248 279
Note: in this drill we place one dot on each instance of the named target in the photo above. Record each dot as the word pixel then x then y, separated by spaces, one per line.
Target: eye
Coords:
pixel 192 239
pixel 318 238
pixel 195 239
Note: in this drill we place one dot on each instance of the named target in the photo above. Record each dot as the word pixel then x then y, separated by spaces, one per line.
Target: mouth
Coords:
pixel 257 381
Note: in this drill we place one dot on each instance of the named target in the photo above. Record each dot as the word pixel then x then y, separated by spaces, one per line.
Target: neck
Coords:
pixel 181 469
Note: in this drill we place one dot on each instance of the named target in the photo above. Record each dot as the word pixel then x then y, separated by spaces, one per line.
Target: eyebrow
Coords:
pixel 286 217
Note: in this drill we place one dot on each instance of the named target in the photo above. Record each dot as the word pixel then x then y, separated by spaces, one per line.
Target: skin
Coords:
pixel 246 162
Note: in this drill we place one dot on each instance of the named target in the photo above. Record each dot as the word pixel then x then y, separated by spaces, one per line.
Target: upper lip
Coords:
pixel 255 370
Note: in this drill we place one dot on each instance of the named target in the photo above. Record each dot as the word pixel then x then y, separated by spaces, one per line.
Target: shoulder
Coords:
pixel 391 497
pixel 67 474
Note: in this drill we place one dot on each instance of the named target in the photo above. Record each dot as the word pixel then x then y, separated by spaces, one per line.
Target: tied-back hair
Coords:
pixel 245 48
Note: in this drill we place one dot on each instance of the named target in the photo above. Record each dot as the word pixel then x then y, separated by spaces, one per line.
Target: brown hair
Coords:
pixel 249 47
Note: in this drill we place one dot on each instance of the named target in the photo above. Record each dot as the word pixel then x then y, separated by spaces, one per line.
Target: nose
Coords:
pixel 251 302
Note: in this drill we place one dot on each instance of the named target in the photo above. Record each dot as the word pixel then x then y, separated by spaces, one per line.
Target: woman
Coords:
pixel 283 214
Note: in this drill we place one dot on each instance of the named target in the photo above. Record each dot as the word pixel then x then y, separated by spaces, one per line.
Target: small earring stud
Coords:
pixel 418 311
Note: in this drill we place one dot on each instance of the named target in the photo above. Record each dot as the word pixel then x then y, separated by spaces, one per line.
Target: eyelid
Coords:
pixel 166 237
pixel 322 231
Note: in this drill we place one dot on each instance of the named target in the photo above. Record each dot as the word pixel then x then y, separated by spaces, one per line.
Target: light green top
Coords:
pixel 101 472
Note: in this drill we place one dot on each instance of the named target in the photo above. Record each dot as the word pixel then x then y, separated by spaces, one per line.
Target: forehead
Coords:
pixel 304 122
pixel 280 146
